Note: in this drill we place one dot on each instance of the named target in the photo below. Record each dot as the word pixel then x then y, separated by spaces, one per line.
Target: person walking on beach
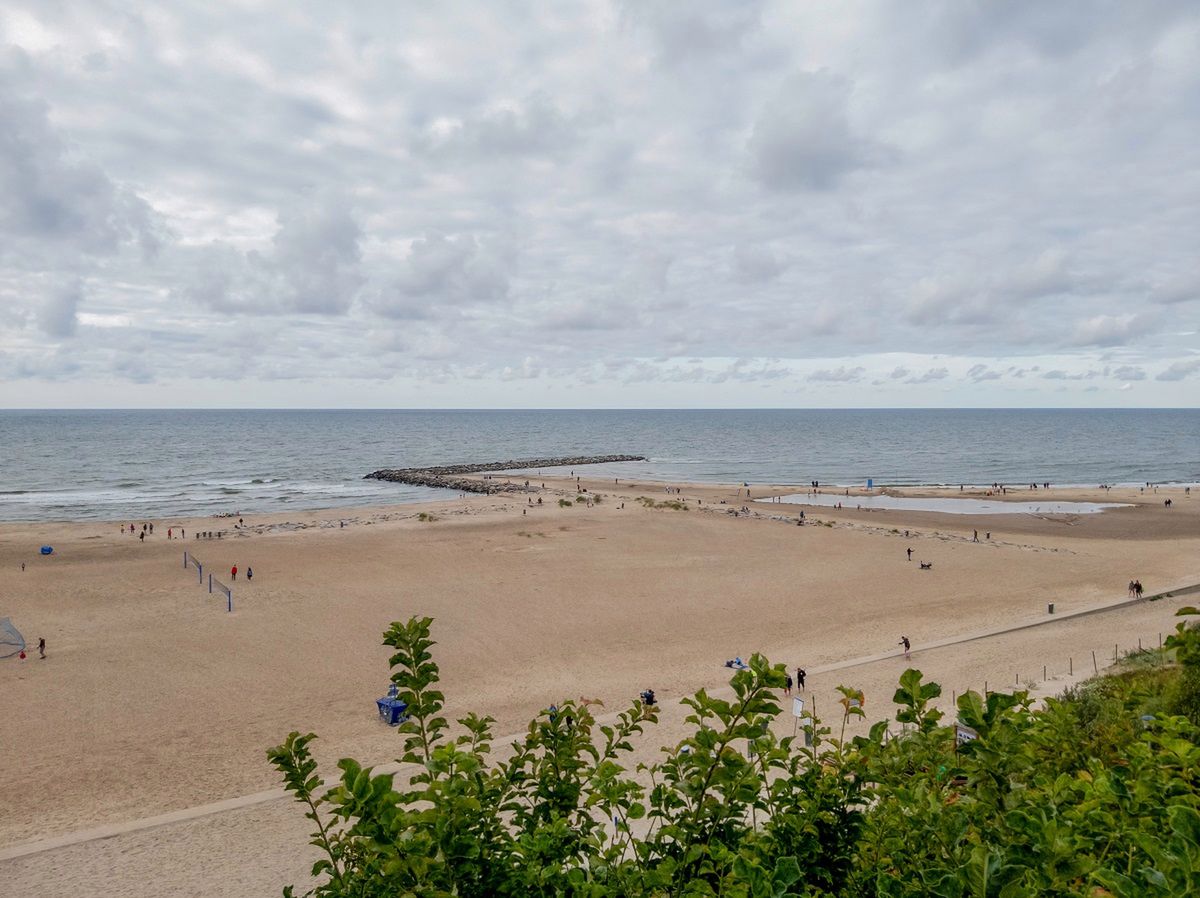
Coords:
pixel 907 646
pixel 42 647
pixel 142 536
pixel 1137 588
pixel 801 673
pixel 249 574
pixel 787 684
pixel 975 538
pixel 233 572
pixel 1132 587
pixel 909 550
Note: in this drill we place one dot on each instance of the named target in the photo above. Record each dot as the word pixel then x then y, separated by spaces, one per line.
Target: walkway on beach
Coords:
pixel 109 831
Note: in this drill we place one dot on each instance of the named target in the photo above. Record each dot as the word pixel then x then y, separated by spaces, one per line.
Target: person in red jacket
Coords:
pixel 233 572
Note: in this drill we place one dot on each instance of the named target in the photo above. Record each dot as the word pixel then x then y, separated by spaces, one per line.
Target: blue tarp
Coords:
pixel 47 550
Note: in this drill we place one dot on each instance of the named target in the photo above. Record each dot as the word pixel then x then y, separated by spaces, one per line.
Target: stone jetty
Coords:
pixel 451 476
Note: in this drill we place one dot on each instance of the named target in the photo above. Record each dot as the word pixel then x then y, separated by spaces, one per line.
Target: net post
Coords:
pixel 210 583
pixel 185 561
pixel 229 600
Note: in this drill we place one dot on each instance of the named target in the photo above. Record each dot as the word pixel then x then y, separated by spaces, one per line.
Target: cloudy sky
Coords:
pixel 599 204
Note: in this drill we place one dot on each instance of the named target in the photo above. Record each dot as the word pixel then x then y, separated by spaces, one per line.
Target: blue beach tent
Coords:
pixel 391 709
pixel 47 550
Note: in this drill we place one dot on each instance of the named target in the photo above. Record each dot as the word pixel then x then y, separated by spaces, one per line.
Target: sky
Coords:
pixel 616 203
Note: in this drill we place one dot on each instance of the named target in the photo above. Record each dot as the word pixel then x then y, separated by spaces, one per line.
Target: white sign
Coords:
pixel 797 707
pixel 964 734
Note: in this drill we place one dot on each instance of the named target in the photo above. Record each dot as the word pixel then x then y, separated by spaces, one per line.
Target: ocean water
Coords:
pixel 136 465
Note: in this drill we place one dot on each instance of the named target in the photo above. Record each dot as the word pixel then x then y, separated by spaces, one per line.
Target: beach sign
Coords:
pixel 797 707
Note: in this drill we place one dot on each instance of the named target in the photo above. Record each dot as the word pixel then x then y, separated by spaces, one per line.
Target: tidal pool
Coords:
pixel 948 505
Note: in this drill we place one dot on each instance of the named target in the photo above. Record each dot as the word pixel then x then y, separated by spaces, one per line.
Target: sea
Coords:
pixel 146 464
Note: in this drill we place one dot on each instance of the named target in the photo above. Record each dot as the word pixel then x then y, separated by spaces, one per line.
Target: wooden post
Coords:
pixel 1044 677
pixel 1116 650
pixel 1139 643
pixel 1095 666
pixel 1071 667
pixel 985 688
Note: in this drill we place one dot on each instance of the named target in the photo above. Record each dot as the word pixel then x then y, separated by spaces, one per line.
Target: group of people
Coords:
pixel 788 682
pixel 41 650
pixel 1135 588
pixel 148 530
pixel 249 572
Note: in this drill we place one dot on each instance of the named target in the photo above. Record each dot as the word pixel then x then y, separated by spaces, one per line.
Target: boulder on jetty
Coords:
pixel 451 476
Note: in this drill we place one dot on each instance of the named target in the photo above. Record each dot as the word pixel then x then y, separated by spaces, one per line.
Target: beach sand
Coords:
pixel 153 699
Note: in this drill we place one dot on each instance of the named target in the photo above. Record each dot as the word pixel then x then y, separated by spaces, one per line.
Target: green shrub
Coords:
pixel 1082 798
pixel 565 503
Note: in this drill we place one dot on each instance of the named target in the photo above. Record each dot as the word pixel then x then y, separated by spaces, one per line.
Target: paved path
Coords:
pixel 110 830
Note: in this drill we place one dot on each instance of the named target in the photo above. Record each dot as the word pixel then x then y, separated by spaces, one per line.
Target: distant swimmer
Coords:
pixel 907 645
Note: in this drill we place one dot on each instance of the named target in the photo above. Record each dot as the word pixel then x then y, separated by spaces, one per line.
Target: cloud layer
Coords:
pixel 599 203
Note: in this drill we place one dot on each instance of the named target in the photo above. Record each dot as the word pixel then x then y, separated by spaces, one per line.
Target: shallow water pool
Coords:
pixel 948 505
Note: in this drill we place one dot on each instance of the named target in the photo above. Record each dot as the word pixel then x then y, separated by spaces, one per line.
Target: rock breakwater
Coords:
pixel 452 477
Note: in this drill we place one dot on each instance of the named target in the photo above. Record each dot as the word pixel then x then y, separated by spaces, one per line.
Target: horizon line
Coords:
pixel 755 408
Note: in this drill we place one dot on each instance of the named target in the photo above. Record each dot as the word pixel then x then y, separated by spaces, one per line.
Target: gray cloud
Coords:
pixel 803 138
pixel 58 316
pixel 55 200
pixel 1129 372
pixel 929 376
pixel 1179 370
pixel 729 194
pixel 838 375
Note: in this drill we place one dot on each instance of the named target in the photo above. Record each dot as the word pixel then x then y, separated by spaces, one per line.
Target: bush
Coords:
pixel 565 503
pixel 1078 799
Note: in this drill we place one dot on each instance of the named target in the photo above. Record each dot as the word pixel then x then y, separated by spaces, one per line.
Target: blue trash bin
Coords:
pixel 391 711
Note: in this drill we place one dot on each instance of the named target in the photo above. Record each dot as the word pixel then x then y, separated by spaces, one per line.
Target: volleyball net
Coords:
pixel 216 586
pixel 192 561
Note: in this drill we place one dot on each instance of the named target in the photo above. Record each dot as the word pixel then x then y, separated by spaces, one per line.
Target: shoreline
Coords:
pixel 1127 494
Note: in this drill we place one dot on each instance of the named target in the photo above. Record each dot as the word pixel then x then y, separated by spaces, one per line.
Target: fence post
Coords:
pixel 1071 667
pixel 1116 649
pixel 185 561
pixel 1095 666
pixel 229 601
pixel 200 573
pixel 210 583
pixel 1044 677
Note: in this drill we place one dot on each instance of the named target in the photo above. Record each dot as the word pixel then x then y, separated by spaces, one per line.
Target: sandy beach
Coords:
pixel 154 700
